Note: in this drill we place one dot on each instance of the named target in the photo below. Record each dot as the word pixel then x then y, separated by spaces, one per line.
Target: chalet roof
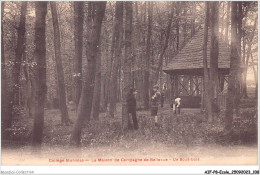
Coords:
pixel 191 56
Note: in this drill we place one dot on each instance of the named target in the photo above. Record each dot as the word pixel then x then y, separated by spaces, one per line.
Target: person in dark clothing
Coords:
pixel 156 95
pixel 215 107
pixel 163 95
pixel 131 107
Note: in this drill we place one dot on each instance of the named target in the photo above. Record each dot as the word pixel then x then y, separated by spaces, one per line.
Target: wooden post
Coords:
pixel 176 90
pixel 202 94
pixel 221 82
pixel 171 88
pixel 191 89
pixel 197 85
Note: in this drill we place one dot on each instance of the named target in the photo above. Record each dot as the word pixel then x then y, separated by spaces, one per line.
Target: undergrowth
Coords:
pixel 189 128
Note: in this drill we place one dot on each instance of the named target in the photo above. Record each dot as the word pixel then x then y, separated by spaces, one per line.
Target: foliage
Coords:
pixel 189 128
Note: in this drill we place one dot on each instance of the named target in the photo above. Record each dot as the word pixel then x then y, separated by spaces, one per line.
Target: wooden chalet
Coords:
pixel 186 71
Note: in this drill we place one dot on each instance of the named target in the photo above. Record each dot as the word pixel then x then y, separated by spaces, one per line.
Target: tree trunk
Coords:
pixel 127 61
pixel 244 84
pixel 85 103
pixel 255 76
pixel 222 18
pixel 239 39
pixel 148 55
pixel 214 49
pixel 97 90
pixel 177 27
pixel 78 34
pixel 60 74
pixel 250 42
pixel 184 26
pixel 227 22
pixel 234 62
pixel 205 65
pixel 6 106
pixel 116 54
pixel 18 54
pixel 193 12
pixel 39 72
pixel 168 32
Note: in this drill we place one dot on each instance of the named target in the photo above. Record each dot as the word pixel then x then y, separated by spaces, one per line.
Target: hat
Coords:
pixel 156 86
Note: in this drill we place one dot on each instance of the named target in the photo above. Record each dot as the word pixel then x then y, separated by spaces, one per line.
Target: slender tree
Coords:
pixel 193 12
pixel 97 90
pixel 205 65
pixel 85 103
pixel 18 59
pixel 177 26
pixel 127 60
pixel 148 55
pixel 165 45
pixel 227 22
pixel 60 74
pixel 6 111
pixel 255 76
pixel 116 54
pixel 239 39
pixel 234 63
pixel 247 55
pixel 39 71
pixel 78 38
pixel 19 52
pixel 214 49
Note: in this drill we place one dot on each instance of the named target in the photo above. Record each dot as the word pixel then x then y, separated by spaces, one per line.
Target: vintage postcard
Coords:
pixel 129 83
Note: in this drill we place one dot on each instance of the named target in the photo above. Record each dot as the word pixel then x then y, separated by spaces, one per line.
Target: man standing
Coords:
pixel 163 94
pixel 131 107
pixel 156 95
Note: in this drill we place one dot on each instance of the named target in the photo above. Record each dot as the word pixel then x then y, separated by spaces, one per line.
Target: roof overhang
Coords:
pixel 195 72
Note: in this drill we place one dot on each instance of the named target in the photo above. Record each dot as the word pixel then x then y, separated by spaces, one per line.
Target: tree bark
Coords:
pixel 78 34
pixel 60 73
pixel 184 26
pixel 249 43
pixel 244 84
pixel 177 26
pixel 168 32
pixel 116 54
pixel 127 83
pixel 205 65
pixel 255 76
pixel 39 72
pixel 6 106
pixel 85 103
pixel 234 63
pixel 193 12
pixel 148 55
pixel 97 89
pixel 18 54
pixel 227 22
pixel 214 49
pixel 239 39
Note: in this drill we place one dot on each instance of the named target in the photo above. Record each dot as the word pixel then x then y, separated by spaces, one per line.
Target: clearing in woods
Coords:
pixel 186 139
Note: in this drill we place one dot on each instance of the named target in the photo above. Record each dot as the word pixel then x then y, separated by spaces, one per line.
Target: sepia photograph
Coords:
pixel 129 83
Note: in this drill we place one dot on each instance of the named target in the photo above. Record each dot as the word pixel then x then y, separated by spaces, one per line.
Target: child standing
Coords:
pixel 156 95
pixel 163 94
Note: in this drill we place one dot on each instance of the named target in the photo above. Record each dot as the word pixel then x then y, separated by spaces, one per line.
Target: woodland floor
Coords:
pixel 187 136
